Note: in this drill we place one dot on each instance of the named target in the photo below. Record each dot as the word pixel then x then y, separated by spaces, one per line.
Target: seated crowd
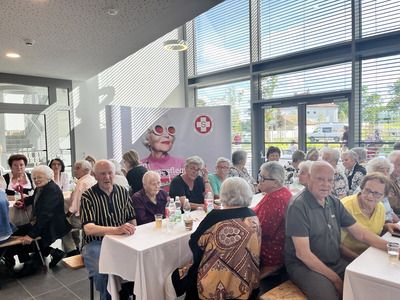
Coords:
pixel 314 233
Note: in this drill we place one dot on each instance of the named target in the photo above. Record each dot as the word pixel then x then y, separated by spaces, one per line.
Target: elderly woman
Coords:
pixel 47 220
pixel 151 200
pixel 239 158
pixel 216 179
pixel 353 171
pixel 158 139
pixel 273 153
pixel 369 212
pixel 383 165
pixel 304 169
pixel 92 160
pixel 60 177
pixel 340 184
pixel 192 184
pixel 135 170
pixel 271 212
pixel 312 154
pixel 203 277
pixel 394 196
pixel 297 157
pixel 362 155
pixel 17 163
pixel 119 178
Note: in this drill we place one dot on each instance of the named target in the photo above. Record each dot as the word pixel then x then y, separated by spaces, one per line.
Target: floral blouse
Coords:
pixel 340 184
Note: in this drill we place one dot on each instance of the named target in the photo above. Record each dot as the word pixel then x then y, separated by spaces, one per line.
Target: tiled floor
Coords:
pixel 57 283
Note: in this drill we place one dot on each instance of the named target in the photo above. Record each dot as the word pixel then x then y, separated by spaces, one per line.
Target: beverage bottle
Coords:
pixel 186 207
pixel 178 212
pixel 167 208
pixel 210 207
pixel 208 198
pixel 17 196
pixel 72 185
pixel 171 217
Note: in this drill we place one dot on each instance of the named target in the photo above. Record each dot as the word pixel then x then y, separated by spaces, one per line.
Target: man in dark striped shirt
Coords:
pixel 105 209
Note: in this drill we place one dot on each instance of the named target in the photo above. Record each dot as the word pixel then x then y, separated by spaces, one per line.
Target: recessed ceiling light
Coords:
pixel 175 45
pixel 13 55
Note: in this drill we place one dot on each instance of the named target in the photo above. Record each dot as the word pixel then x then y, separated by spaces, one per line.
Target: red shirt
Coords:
pixel 271 213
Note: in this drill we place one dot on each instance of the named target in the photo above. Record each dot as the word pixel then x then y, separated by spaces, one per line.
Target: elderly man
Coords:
pixel 82 170
pixel 313 222
pixel 150 200
pixel 105 209
pixel 394 196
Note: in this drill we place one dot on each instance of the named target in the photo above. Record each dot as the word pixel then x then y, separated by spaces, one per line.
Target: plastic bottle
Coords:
pixel 171 217
pixel 186 207
pixel 178 212
pixel 17 196
pixel 208 197
pixel 72 185
pixel 167 208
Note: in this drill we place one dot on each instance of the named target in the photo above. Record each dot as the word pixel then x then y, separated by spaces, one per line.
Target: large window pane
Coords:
pixel 292 26
pixel 23 94
pixel 380 16
pixel 222 37
pixel 24 134
pixel 380 103
pixel 237 95
pixel 312 81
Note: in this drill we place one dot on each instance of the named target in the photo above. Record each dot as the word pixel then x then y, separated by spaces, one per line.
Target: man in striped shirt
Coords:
pixel 105 209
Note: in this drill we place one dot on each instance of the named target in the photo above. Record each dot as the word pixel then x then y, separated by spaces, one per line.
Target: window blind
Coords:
pixel 380 16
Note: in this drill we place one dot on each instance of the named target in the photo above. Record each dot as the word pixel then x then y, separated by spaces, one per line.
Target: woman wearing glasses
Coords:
pixel 369 212
pixel 192 184
pixel 159 139
pixel 216 179
pixel 271 212
pixel 60 177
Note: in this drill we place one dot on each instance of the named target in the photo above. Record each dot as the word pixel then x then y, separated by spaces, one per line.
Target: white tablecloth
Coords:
pixel 371 276
pixel 146 257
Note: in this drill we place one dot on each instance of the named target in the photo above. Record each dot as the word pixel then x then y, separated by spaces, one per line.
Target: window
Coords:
pixel 292 26
pixel 380 16
pixel 222 37
pixel 23 94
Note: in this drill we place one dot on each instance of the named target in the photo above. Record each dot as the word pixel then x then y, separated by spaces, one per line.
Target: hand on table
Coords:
pixel 26 240
pixel 127 228
pixel 391 226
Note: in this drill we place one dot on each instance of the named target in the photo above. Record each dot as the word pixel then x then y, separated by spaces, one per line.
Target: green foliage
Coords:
pixel 371 106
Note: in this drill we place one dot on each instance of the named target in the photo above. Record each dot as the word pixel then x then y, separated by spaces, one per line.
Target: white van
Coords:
pixel 329 131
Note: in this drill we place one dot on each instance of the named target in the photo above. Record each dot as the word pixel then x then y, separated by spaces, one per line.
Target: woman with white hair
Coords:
pixel 192 184
pixel 354 172
pixel 119 177
pixel 216 179
pixel 304 169
pixel 340 183
pixel 239 159
pixel 384 166
pixel 271 212
pixel 159 139
pixel 47 220
pixel 203 277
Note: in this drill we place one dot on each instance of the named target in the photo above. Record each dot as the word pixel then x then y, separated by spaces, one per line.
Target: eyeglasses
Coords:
pixel 194 170
pixel 222 168
pixel 262 178
pixel 56 165
pixel 38 177
pixel 159 129
pixel 376 195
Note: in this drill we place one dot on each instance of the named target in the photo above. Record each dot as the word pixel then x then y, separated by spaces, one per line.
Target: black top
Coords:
pixel 345 138
pixel 179 188
pixel 11 192
pixel 134 177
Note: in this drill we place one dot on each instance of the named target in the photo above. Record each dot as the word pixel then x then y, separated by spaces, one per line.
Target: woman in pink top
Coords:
pixel 271 212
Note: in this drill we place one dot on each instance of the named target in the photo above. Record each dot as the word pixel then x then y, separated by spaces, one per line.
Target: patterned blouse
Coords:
pixel 340 184
pixel 271 213
pixel 235 172
pixel 354 177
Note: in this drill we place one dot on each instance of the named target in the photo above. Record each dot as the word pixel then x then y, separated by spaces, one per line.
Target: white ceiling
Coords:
pixel 76 39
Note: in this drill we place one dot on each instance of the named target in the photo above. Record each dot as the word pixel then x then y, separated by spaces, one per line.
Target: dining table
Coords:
pixel 371 276
pixel 147 257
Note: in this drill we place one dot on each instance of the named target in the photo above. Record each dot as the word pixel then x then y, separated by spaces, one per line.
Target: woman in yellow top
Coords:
pixel 369 212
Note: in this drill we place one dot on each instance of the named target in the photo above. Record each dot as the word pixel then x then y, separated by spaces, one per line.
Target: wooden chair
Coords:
pixel 267 271
pixel 287 290
pixel 75 263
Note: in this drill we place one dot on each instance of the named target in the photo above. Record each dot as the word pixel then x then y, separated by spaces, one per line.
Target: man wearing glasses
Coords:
pixel 313 222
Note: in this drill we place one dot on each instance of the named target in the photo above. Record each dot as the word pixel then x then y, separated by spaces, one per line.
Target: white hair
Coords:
pixel 117 166
pixel 149 175
pixel 333 153
pixel 223 159
pixel 393 156
pixel 305 165
pixel 45 170
pixel 275 170
pixel 379 162
pixel 235 191
pixel 350 154
pixel 194 160
pixel 84 165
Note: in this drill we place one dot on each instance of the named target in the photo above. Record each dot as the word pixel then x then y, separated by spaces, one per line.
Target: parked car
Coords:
pixel 328 131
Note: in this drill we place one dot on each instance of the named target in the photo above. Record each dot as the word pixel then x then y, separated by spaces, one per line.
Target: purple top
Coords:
pixel 146 209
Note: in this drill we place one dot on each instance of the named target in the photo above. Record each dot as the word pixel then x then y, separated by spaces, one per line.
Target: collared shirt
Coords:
pixel 146 209
pixel 82 185
pixel 374 224
pixel 103 210
pixel 305 217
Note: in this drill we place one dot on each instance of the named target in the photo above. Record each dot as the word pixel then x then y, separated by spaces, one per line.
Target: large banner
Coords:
pixel 165 137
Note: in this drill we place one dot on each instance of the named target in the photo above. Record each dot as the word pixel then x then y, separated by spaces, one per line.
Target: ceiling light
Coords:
pixel 175 45
pixel 13 55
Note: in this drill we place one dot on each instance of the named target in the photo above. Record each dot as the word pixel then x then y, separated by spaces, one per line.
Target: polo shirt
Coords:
pixel 179 188
pixel 374 224
pixel 305 217
pixel 103 210
pixel 146 209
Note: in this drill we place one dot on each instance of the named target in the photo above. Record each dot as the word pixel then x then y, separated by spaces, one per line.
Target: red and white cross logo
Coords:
pixel 203 124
